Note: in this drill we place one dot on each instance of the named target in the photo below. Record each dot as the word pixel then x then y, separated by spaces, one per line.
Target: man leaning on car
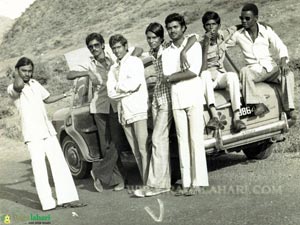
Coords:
pixel 107 171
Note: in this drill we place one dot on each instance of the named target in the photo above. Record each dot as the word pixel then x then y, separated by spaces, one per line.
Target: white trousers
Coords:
pixel 159 168
pixel 216 80
pixel 137 136
pixel 63 181
pixel 189 128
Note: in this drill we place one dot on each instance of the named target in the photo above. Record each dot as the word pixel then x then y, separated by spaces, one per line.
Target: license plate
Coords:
pixel 246 111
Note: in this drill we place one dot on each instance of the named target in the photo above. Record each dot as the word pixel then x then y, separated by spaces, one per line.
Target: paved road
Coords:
pixel 241 192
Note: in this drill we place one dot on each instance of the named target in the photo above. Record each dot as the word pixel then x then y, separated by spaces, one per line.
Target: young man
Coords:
pixel 126 83
pixel 40 137
pixel 107 171
pixel 255 41
pixel 159 178
pixel 213 73
pixel 187 104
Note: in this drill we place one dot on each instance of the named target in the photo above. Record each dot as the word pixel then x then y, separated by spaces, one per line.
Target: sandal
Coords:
pixel 72 205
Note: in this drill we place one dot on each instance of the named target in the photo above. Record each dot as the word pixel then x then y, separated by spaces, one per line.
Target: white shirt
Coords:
pixel 185 93
pixel 35 123
pixel 82 60
pixel 123 78
pixel 101 102
pixel 257 53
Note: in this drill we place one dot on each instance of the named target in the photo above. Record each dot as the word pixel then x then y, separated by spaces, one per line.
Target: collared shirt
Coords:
pixel 101 102
pixel 257 53
pixel 189 92
pixel 124 78
pixel 216 52
pixel 162 91
pixel 30 104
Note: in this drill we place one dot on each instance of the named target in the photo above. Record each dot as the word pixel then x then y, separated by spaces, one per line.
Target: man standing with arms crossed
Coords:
pixel 255 41
pixel 126 83
pixel 187 104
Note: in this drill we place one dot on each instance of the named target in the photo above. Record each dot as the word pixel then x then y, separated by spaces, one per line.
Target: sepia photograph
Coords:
pixel 149 112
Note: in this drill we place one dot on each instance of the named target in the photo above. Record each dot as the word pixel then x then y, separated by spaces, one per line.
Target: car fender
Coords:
pixel 71 131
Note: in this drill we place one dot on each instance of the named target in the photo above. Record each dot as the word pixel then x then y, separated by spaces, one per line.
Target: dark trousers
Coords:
pixel 107 170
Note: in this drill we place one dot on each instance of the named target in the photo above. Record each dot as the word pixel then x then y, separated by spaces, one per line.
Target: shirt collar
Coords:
pixel 261 29
pixel 160 50
pixel 181 46
pixel 119 62
pixel 108 60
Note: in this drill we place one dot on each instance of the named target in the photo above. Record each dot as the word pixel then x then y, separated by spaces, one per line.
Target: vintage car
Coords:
pixel 77 131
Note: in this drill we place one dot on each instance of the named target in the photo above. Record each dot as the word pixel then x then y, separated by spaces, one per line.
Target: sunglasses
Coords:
pixel 247 18
pixel 91 47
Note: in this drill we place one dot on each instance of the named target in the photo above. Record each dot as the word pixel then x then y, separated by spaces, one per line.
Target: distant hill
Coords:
pixel 5 25
pixel 53 27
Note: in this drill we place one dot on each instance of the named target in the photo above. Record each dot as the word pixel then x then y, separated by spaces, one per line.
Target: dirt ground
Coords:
pixel 241 192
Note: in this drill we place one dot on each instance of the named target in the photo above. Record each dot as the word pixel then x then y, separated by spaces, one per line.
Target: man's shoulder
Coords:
pixel 34 82
pixel 134 59
pixel 196 47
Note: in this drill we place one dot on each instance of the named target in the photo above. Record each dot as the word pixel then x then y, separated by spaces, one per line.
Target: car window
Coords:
pixel 81 92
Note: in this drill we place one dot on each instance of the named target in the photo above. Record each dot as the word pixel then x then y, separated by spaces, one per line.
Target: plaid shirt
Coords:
pixel 162 91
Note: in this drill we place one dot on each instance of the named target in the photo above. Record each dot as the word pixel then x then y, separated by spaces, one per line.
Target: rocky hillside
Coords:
pixel 63 25
pixel 5 25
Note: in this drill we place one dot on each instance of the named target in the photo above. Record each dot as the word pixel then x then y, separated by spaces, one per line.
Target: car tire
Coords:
pixel 79 168
pixel 261 151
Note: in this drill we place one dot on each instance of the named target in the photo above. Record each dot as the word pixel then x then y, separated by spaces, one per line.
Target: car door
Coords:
pixel 80 124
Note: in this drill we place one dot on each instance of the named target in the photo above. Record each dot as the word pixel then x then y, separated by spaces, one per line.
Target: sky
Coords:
pixel 13 8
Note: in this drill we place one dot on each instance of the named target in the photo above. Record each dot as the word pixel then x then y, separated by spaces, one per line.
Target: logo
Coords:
pixel 31 219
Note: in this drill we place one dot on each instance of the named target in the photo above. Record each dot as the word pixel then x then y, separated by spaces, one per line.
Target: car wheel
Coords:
pixel 79 169
pixel 261 151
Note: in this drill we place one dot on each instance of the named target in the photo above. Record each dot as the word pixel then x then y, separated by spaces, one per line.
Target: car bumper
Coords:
pixel 245 137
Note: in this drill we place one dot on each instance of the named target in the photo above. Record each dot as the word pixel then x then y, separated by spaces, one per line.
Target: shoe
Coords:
pixel 97 183
pixel 141 192
pixel 119 187
pixel 190 192
pixel 291 114
pixel 238 125
pixel 278 138
pixel 156 191
pixel 72 205
pixel 213 123
pixel 182 192
pixel 261 109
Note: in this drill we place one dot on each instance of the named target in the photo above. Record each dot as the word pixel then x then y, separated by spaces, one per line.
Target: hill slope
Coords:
pixel 5 25
pixel 63 25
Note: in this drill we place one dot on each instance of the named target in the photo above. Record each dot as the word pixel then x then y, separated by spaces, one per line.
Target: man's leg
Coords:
pixel 209 94
pixel 141 134
pixel 287 89
pixel 64 183
pixel 182 131
pixel 116 132
pixel 37 154
pixel 132 140
pixel 101 121
pixel 159 168
pixel 104 169
pixel 199 172
pixel 249 77
pixel 230 80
